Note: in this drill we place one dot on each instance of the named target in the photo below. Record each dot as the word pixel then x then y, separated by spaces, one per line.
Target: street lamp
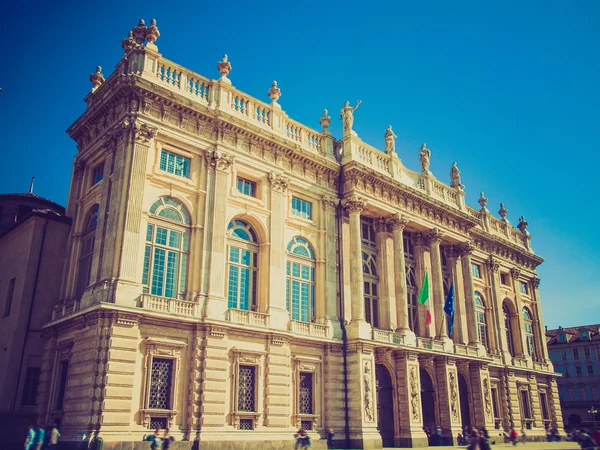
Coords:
pixel 593 411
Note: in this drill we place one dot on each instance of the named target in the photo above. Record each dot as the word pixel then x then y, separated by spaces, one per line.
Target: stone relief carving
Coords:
pixel 219 161
pixel 368 392
pixel 414 395
pixel 453 396
pixel 486 397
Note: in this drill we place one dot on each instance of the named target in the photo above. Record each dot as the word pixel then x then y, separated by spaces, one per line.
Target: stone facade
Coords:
pixel 575 352
pixel 236 275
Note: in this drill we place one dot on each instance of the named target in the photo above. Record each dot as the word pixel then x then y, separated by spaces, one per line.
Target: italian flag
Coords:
pixel 424 296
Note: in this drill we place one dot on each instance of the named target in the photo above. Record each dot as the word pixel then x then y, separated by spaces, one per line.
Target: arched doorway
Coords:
pixel 427 401
pixel 463 392
pixel 385 405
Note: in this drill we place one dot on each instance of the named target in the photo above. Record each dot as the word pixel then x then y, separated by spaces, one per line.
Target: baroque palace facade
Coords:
pixel 233 275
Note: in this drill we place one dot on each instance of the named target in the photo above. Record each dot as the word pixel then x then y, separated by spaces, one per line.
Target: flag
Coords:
pixel 424 296
pixel 449 308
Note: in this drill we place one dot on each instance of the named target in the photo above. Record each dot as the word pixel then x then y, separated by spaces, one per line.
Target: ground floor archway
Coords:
pixel 465 409
pixel 428 403
pixel 385 405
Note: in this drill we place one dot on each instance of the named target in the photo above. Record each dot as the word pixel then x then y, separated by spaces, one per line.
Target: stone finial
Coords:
pixel 455 177
pixel 96 78
pixel 424 157
pixel 224 67
pixel 139 32
pixel 325 120
pixel 390 141
pixel 274 92
pixel 523 225
pixel 482 202
pixel 503 211
pixel 152 33
pixel 128 43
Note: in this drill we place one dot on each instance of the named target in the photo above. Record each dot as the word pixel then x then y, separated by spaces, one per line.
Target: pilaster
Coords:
pixel 448 398
pixel 408 388
pixel 481 395
pixel 278 383
pixel 500 344
pixel 217 382
pixel 387 307
pixel 423 260
pixel 460 331
pixel 330 206
pixel 435 238
pixel 465 251
pixel 516 272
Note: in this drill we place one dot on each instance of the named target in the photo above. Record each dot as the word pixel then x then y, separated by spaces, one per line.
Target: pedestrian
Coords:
pixel 40 434
pixel 155 441
pixel 474 440
pixel 30 438
pixel 438 432
pixel 514 436
pixel 596 436
pixel 52 438
pixel 167 440
pixel 523 436
pixel 484 440
pixel 330 436
pixel 302 439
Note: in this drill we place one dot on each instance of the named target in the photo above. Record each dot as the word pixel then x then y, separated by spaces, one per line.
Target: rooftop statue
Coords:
pixel 347 115
pixel 455 177
pixel 224 66
pixel 325 120
pixel 424 156
pixel 390 141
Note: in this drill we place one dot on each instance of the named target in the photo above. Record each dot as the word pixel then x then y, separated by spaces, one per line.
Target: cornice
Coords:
pixel 493 245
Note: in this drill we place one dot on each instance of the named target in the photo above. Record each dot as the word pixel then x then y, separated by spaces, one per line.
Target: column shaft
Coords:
pixel 437 283
pixel 397 224
pixel 469 303
pixel 354 206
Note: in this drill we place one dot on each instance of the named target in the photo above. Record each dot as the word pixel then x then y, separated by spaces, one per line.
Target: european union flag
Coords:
pixel 449 308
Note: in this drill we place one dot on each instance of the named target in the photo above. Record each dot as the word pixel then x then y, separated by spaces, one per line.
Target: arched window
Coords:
pixel 166 253
pixel 528 328
pixel 480 319
pixel 508 329
pixel 412 290
pixel 242 265
pixel 87 251
pixel 370 277
pixel 300 280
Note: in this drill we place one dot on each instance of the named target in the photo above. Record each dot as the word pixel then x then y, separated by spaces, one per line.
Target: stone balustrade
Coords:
pixel 466 350
pixel 169 305
pixel 247 317
pixel 309 328
pixel 498 227
pixel 390 337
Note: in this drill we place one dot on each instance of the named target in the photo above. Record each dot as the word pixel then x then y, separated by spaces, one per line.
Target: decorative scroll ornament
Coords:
pixel 330 203
pixel 414 395
pixel 224 67
pixel 279 183
pixel 219 161
pixel 453 396
pixel 515 272
pixel 482 202
pixel 493 264
pixel 434 236
pixel 325 120
pixel 353 204
pixel 368 393
pixel 487 398
pixel 274 92
pixel 96 78
pixel 144 133
pixel 536 282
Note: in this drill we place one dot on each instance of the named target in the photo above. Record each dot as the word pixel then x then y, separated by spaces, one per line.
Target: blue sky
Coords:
pixel 507 89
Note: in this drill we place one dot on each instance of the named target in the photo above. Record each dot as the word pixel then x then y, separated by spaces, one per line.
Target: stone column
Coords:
pixel 448 399
pixel 522 343
pixel 437 283
pixel 330 205
pixel 423 266
pixel 277 311
pixel 387 308
pixel 218 164
pixel 459 332
pixel 496 324
pixel 408 388
pixel 358 325
pixel 465 250
pixel 540 329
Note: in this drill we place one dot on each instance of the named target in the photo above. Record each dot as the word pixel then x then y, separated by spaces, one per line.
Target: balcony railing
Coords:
pixel 169 305
pixel 387 336
pixel 309 328
pixel 247 317
pixel 430 344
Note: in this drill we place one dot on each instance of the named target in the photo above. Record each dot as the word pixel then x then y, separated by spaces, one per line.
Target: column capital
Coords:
pixel 397 222
pixel 354 204
pixel 493 264
pixel 330 203
pixel 515 272
pixel 143 133
pixel 380 225
pixel 279 183
pixel 465 248
pixel 218 160
pixel 451 252
pixel 536 282
pixel 434 236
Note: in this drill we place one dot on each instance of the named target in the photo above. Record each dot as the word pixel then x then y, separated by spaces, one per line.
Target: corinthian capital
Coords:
pixel 143 133
pixel 465 248
pixel 330 203
pixel 353 204
pixel 493 264
pixel 434 236
pixel 515 272
pixel 218 160
pixel 397 222
pixel 536 282
pixel 279 183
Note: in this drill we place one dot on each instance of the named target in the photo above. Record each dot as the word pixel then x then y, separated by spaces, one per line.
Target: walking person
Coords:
pixel 155 441
pixel 53 435
pixel 40 435
pixel 30 438
pixel 302 439
pixel 514 436
pixel 167 439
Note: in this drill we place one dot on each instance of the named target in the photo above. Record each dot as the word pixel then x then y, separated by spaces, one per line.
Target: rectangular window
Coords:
pixel 98 173
pixel 301 208
pixel 247 389
pixel 476 270
pixel 590 369
pixel 575 353
pixel 564 355
pixel 61 386
pixel 175 164
pixel 582 393
pixel 160 383
pixel 544 405
pixel 32 378
pixel 525 404
pixel 578 371
pixel 9 297
pixel 587 353
pixel 305 396
pixel 523 288
pixel 495 402
pixel 504 279
pixel 246 187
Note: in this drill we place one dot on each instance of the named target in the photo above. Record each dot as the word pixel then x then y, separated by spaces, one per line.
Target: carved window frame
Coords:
pixel 528 422
pixel 242 357
pixel 64 352
pixel 163 349
pixel 312 365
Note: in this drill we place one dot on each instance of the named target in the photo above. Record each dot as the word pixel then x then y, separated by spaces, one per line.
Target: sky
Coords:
pixel 508 89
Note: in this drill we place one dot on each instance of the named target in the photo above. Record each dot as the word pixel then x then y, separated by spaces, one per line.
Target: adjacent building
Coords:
pixel 574 352
pixel 33 236
pixel 233 275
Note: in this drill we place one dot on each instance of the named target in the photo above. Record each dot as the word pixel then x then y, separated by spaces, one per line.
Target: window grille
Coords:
pixel 160 384
pixel 175 164
pixel 306 424
pixel 246 388
pixel 301 208
pixel 305 397
pixel 158 423
pixel 246 424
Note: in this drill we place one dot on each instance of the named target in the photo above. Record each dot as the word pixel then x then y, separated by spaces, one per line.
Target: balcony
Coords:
pixel 169 305
pixel 387 336
pixel 309 328
pixel 430 344
pixel 247 317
